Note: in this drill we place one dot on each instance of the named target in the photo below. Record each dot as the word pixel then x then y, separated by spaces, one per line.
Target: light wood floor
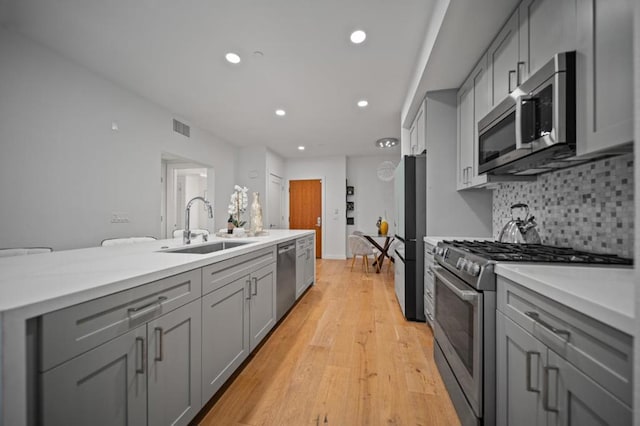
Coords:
pixel 343 356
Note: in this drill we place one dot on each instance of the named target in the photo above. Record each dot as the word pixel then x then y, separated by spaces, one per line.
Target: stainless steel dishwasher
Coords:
pixel 286 276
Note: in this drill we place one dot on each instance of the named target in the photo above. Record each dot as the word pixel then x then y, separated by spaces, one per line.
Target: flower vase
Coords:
pixel 256 214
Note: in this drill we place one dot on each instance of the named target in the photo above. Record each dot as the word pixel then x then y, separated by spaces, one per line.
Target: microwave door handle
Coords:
pixel 519 101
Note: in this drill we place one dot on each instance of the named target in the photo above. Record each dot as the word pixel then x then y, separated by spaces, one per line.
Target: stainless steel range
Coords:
pixel 465 314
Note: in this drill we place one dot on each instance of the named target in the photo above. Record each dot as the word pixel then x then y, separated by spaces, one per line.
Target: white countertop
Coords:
pixel 55 280
pixel 606 294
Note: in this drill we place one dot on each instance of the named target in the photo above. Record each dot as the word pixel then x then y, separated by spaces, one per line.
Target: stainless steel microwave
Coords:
pixel 533 130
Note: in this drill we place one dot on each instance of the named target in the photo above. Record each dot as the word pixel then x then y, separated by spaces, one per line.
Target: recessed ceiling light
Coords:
pixel 363 103
pixel 301 148
pixel 232 57
pixel 281 112
pixel 386 142
pixel 358 36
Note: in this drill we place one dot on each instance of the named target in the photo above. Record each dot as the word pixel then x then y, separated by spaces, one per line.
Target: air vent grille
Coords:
pixel 180 127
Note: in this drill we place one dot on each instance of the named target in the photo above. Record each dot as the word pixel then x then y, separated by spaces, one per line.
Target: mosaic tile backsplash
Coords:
pixel 588 207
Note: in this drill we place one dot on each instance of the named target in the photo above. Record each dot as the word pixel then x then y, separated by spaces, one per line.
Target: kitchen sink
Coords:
pixel 208 248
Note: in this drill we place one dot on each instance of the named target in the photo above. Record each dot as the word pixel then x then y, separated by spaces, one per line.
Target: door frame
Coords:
pixel 323 202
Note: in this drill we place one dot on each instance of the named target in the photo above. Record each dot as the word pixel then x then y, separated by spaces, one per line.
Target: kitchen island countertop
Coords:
pixel 606 294
pixel 50 281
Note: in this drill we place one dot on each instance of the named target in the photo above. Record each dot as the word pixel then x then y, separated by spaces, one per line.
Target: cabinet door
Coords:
pixel 413 139
pixel 579 400
pixel 420 130
pixel 263 303
pixel 310 264
pixel 105 386
pixel 225 333
pixel 604 75
pixel 174 376
pixel 520 359
pixel 465 133
pixel 301 265
pixel 503 60
pixel 480 109
pixel 547 27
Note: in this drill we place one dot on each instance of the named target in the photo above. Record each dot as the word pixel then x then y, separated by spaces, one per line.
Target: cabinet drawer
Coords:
pixel 601 352
pixel 428 310
pixel 71 331
pixel 222 273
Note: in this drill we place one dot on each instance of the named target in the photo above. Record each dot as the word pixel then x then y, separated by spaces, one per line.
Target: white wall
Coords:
pixel 372 197
pixel 55 134
pixel 333 172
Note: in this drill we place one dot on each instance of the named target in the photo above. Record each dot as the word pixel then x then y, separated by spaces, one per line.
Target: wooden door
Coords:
pixel 305 208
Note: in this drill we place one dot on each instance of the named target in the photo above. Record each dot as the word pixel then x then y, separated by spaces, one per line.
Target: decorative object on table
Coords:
pixel 238 205
pixel 521 228
pixel 350 190
pixel 230 225
pixel 256 215
pixel 384 227
pixel 379 224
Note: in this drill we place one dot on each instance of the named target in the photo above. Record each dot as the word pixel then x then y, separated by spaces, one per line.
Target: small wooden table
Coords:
pixel 384 249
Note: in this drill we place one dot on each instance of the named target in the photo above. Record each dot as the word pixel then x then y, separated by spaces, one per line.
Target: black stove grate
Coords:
pixel 509 252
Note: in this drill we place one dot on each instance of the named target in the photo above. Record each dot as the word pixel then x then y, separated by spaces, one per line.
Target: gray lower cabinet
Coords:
pixel 104 386
pixel 235 318
pixel 173 360
pixel 555 366
pixel 310 262
pixel 301 268
pixel 225 333
pixel 262 312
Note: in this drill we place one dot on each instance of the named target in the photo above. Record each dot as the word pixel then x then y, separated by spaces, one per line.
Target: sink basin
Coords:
pixel 209 248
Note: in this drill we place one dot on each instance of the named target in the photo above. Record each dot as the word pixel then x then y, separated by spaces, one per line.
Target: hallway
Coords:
pixel 343 356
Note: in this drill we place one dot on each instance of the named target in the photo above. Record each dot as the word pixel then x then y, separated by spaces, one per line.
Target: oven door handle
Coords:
pixel 462 293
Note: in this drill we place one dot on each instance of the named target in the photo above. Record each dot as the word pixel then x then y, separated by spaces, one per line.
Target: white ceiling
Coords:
pixel 172 52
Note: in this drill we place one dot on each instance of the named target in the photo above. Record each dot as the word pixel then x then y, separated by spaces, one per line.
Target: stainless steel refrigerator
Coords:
pixel 410 197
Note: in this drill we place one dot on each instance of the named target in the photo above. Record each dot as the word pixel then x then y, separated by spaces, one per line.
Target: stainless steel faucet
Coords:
pixel 186 234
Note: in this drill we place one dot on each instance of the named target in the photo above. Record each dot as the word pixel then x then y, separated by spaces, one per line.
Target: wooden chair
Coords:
pixel 21 251
pixel 359 246
pixel 126 240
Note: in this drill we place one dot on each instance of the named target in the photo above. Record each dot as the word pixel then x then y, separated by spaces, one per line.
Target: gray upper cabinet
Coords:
pixel 503 61
pixel 604 75
pixel 173 358
pixel 417 132
pixel 472 106
pixel 104 386
pixel 547 27
pixel 225 333
pixel 262 311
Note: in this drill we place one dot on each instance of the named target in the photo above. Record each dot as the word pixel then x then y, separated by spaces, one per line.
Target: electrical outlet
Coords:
pixel 119 218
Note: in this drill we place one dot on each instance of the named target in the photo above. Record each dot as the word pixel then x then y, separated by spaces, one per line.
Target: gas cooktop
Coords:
pixel 508 252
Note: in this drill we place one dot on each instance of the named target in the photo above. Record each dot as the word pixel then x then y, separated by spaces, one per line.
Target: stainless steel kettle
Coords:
pixel 520 231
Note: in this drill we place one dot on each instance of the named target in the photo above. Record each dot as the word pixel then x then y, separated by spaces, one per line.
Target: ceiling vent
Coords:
pixel 181 128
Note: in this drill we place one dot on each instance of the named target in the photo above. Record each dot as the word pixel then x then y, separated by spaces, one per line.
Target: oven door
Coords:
pixel 459 332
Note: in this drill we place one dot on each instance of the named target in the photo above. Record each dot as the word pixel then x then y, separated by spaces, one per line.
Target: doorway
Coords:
pixel 181 181
pixel 274 202
pixel 305 208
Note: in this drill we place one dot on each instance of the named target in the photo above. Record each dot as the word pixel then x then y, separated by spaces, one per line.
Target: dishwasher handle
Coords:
pixel 284 249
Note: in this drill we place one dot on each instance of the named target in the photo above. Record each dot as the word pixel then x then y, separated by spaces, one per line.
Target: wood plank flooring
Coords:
pixel 343 356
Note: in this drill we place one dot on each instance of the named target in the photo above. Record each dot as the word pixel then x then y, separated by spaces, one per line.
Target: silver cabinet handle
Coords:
pixel 142 355
pixel 466 295
pixel 430 316
pixel 536 317
pixel 529 355
pixel 511 73
pixel 249 291
pixel 137 309
pixel 255 286
pixel 520 72
pixel 545 390
pixel 159 337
